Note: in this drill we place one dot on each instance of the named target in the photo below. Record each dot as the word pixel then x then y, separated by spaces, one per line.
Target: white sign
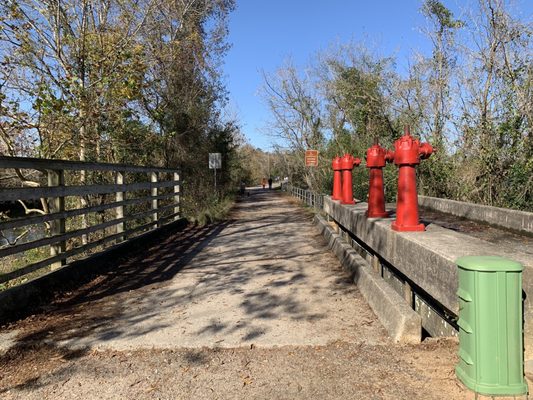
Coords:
pixel 215 160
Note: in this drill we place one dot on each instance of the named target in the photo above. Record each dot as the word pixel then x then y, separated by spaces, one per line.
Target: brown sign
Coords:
pixel 311 158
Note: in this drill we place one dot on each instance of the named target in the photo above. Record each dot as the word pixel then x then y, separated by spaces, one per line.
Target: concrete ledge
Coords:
pixel 401 322
pixel 20 301
pixel 519 221
pixel 428 258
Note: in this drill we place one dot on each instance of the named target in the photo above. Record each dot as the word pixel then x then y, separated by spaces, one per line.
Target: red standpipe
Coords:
pixel 337 183
pixel 407 155
pixel 376 158
pixel 347 164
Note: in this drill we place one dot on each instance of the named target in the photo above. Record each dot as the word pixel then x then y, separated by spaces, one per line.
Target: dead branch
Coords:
pixel 13 242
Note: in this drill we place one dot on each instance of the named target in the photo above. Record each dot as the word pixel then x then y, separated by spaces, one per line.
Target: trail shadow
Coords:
pixel 103 310
pixel 29 360
pixel 155 263
pixel 83 312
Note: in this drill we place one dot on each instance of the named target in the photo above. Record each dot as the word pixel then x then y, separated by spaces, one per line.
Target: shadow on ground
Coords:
pixel 135 288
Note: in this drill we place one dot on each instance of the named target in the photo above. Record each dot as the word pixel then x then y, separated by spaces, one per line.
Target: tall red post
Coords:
pixel 407 155
pixel 337 183
pixel 376 158
pixel 347 164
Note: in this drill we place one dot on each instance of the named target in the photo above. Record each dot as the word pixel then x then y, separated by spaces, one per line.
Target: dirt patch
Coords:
pixel 337 371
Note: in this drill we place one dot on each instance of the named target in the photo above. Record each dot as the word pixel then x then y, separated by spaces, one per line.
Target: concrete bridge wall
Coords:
pixel 427 259
pixel 519 221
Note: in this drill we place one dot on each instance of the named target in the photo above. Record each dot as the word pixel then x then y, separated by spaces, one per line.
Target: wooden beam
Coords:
pixel 38 219
pixel 78 190
pixel 46 164
pixel 69 235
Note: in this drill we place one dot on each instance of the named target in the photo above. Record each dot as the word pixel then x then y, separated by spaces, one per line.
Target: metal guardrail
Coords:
pixel 308 197
pixel 152 194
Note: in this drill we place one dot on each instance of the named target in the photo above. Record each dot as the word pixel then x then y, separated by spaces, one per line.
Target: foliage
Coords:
pixel 471 99
pixel 119 81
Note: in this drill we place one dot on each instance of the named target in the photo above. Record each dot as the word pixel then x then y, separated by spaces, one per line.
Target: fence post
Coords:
pixel 57 226
pixel 176 196
pixel 83 204
pixel 155 202
pixel 119 211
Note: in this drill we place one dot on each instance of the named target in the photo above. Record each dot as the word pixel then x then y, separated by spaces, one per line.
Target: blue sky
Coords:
pixel 264 33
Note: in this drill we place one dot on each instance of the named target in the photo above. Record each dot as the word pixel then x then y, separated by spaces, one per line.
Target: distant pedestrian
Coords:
pixel 270 183
pixel 263 182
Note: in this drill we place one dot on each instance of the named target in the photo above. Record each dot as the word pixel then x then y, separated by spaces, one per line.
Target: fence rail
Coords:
pixel 309 197
pixel 129 200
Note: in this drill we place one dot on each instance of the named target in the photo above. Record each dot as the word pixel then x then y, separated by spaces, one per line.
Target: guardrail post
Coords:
pixel 84 203
pixel 155 202
pixel 119 211
pixel 57 226
pixel 176 196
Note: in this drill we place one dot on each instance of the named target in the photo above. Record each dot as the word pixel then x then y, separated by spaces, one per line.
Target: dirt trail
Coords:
pixel 256 307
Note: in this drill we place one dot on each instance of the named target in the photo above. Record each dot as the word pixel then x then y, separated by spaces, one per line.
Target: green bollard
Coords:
pixel 491 360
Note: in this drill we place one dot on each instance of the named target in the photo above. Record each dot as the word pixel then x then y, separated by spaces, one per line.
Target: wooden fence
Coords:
pixel 120 200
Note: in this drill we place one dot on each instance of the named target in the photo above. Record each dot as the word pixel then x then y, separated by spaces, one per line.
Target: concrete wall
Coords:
pixel 428 258
pixel 401 322
pixel 520 221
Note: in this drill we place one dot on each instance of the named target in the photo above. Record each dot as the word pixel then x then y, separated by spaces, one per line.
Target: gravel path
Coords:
pixel 256 307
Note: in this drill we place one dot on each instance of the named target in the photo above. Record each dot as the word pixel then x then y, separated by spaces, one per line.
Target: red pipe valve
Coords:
pixel 408 153
pixel 376 158
pixel 337 183
pixel 409 150
pixel 348 162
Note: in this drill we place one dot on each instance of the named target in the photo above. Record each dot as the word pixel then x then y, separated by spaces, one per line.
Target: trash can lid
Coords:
pixel 489 264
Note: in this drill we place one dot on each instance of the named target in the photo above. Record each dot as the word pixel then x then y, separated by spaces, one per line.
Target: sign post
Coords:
pixel 215 162
pixel 311 158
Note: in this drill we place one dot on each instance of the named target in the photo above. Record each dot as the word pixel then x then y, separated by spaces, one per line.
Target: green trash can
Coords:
pixel 491 360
